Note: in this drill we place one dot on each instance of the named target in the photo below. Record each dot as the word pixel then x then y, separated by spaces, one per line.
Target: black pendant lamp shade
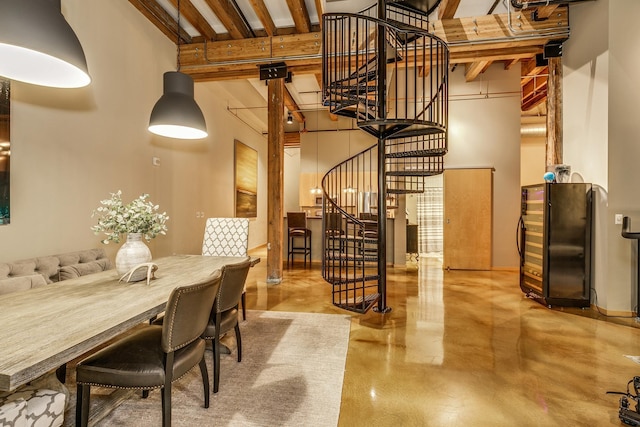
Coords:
pixel 38 46
pixel 176 114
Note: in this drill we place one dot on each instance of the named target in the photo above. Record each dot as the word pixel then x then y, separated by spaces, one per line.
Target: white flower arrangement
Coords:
pixel 139 216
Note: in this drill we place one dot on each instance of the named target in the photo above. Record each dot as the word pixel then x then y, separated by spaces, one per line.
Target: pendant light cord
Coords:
pixel 178 35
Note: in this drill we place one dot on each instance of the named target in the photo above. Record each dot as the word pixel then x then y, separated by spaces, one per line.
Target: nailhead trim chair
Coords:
pixel 155 356
pixel 227 237
pixel 224 314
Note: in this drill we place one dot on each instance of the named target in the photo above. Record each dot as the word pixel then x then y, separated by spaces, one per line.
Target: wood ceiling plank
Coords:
pixel 195 18
pixel 300 15
pixel 447 9
pixel 264 16
pixel 227 13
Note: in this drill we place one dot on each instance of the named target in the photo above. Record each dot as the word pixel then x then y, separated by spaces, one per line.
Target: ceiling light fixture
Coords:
pixel 176 114
pixel 290 119
pixel 38 46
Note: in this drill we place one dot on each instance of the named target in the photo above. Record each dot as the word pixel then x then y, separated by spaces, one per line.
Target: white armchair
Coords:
pixel 227 237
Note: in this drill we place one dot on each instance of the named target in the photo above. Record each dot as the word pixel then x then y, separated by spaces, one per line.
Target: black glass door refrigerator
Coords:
pixel 555 243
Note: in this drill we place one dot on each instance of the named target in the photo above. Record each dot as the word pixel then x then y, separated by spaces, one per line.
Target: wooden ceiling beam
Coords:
pixel 195 18
pixel 264 16
pixel 291 139
pixel 293 107
pixel 544 12
pixel 227 13
pixel 161 19
pixel 484 29
pixel 474 69
pixel 300 15
pixel 319 11
pixel 510 63
pixel 493 42
pixel 447 9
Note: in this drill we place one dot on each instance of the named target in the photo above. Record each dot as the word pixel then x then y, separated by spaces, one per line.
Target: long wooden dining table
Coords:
pixel 44 328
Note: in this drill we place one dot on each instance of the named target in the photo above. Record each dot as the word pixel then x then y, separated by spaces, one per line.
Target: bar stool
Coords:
pixel 297 229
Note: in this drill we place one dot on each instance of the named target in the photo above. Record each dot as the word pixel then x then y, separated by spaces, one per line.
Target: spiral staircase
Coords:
pixel 386 71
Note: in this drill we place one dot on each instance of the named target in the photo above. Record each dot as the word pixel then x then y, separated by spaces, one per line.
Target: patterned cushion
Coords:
pixel 226 237
pixel 13 413
pixel 43 407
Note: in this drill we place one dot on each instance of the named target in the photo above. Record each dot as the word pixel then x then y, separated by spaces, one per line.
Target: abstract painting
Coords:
pixel 246 181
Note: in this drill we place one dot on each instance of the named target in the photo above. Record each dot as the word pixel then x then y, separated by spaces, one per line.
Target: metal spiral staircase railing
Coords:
pixel 402 101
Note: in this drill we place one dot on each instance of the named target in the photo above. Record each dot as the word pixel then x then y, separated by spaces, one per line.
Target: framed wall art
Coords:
pixel 246 181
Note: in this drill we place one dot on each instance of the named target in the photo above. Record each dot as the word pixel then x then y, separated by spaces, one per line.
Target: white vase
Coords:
pixel 133 252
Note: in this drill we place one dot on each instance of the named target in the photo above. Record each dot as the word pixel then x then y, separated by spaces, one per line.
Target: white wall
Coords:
pixel 484 131
pixel 71 148
pixel 601 135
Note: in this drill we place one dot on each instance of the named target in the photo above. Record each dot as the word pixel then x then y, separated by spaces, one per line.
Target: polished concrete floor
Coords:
pixel 464 348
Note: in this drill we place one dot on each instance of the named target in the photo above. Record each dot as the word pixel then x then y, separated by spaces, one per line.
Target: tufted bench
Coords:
pixel 36 272
pixel 41 403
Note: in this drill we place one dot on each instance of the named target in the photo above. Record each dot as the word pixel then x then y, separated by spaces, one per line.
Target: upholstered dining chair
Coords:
pixel 224 314
pixel 227 237
pixel 154 356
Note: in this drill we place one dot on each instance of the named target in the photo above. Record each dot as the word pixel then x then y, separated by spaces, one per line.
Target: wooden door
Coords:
pixel 468 217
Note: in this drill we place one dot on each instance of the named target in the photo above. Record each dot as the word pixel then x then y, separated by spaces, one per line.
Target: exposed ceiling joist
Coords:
pixel 493 42
pixel 161 19
pixel 293 107
pixel 300 15
pixel 264 16
pixel 474 69
pixel 195 18
pixel 447 9
pixel 228 13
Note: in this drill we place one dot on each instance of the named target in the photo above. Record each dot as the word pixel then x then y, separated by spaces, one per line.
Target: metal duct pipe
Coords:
pixel 520 4
pixel 532 130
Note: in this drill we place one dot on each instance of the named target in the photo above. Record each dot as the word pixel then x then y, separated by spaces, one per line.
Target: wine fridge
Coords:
pixel 555 243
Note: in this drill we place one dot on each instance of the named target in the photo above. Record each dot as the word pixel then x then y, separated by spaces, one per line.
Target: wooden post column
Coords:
pixel 275 180
pixel 554 112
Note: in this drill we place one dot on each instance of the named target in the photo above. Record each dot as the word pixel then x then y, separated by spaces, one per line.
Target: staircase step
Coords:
pixel 432 152
pixel 414 173
pixel 391 191
pixel 352 257
pixel 359 304
pixel 345 281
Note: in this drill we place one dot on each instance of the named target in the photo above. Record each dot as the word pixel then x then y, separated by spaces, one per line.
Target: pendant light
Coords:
pixel 176 114
pixel 38 46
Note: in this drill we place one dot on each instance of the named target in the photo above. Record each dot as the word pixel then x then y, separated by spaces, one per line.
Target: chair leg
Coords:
pixel 82 405
pixel 244 305
pixel 238 342
pixel 205 381
pixel 216 363
pixel 166 404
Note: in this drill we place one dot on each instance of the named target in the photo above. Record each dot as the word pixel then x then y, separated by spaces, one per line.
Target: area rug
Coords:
pixel 291 375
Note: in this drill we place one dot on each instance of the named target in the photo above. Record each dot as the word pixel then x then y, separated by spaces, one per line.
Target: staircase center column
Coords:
pixel 382 182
